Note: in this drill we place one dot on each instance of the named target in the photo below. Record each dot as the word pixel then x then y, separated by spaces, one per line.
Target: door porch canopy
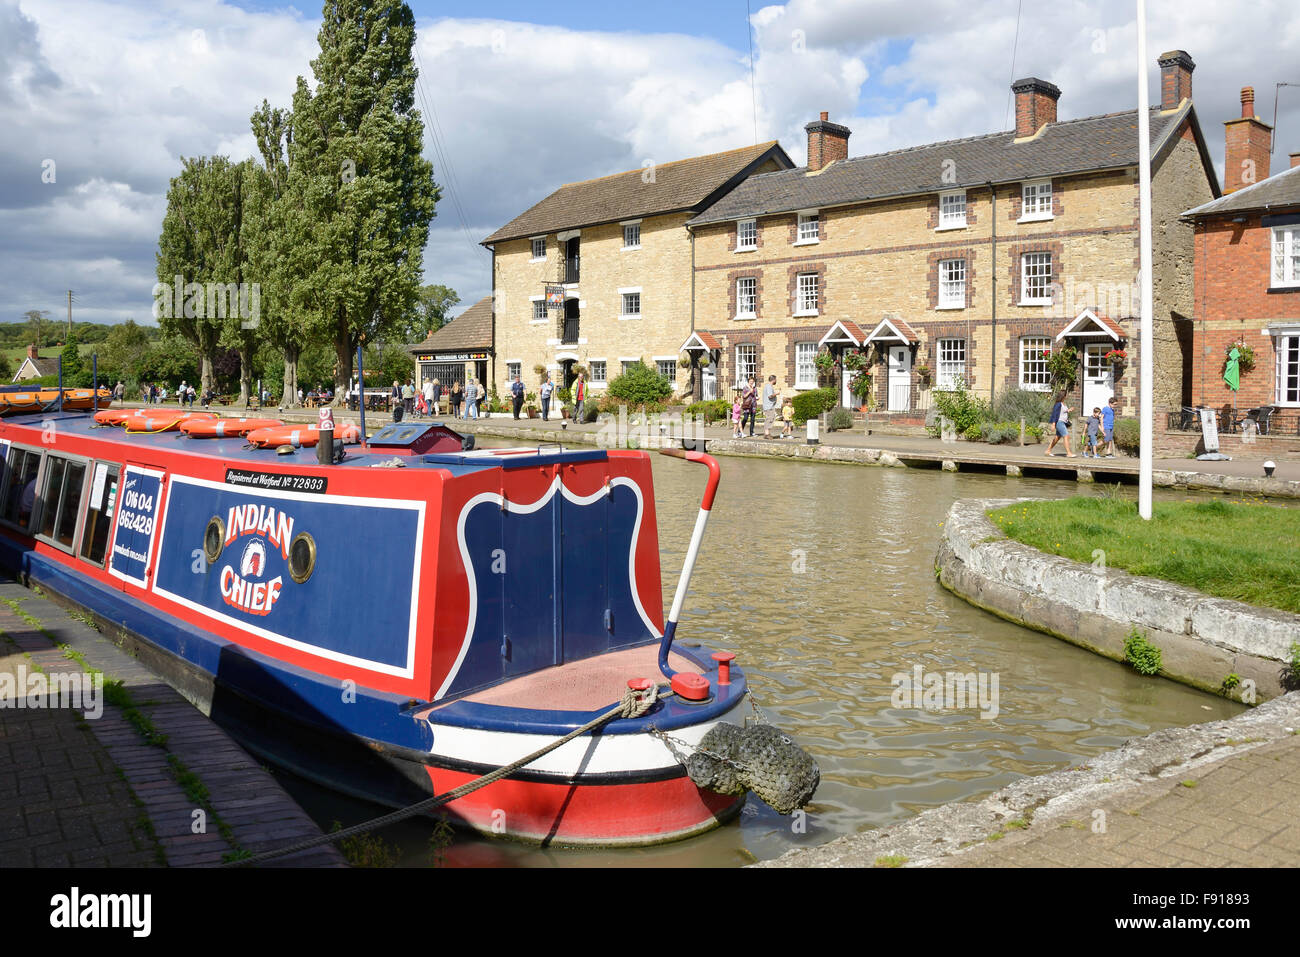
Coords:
pixel 701 341
pixel 1090 325
pixel 892 329
pixel 842 332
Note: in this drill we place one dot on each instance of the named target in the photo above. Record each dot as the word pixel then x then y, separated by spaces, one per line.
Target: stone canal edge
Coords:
pixel 1202 639
pixel 150 781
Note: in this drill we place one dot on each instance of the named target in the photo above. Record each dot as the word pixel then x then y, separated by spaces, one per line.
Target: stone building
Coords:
pixel 461 348
pixel 1247 279
pixel 616 257
pixel 961 260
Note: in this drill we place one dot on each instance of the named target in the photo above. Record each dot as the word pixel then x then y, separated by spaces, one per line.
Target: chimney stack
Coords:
pixel 1176 68
pixel 1295 159
pixel 1245 158
pixel 31 352
pixel 827 142
pixel 1035 105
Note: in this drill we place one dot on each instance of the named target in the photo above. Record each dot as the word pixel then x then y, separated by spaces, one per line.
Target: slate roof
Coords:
pixel 681 185
pixel 471 330
pixel 43 367
pixel 1281 189
pixel 1062 148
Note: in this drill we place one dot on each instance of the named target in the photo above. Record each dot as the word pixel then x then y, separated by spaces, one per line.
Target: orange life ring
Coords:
pixel 301 436
pixel 225 428
pixel 114 416
pixel 150 422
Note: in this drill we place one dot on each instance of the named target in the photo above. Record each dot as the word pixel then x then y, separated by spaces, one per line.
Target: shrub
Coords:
pixel 810 404
pixel 972 433
pixel 841 419
pixel 1008 433
pixel 1140 653
pixel 639 383
pixel 1128 436
pixel 713 410
pixel 1034 406
pixel 964 409
pixel 1291 673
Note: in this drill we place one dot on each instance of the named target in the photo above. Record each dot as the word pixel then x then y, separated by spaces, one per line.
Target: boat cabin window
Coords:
pixel 20 496
pixel 65 480
pixel 99 513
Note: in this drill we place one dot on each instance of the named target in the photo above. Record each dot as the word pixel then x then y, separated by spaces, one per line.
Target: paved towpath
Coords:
pixel 1221 794
pixel 161 786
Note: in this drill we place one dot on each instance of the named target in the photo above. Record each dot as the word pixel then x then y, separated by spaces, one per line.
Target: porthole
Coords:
pixel 214 539
pixel 302 557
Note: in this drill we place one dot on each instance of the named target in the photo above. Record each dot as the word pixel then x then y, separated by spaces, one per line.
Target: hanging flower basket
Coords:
pixel 1245 358
pixel 854 360
pixel 704 359
pixel 684 361
pixel 825 362
pixel 861 385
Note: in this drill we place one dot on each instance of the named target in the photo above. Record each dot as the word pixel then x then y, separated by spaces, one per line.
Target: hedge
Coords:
pixel 810 404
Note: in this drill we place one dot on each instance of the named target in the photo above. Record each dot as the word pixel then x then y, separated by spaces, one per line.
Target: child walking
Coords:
pixel 787 417
pixel 737 410
pixel 1094 424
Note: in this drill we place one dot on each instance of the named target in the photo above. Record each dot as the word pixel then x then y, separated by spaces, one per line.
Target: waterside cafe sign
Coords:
pixel 450 356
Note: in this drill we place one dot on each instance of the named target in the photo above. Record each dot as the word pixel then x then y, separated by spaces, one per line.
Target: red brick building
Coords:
pixel 1247 279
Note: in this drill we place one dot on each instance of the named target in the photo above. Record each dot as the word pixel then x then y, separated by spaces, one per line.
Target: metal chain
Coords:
pixel 671 743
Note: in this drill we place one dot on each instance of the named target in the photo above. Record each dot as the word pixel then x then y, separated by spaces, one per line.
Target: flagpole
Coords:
pixel 1146 368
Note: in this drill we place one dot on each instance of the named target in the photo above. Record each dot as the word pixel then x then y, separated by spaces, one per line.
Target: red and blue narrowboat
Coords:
pixel 393 620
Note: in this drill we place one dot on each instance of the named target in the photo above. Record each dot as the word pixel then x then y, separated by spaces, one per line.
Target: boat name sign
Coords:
pixel 241 590
pixel 277 481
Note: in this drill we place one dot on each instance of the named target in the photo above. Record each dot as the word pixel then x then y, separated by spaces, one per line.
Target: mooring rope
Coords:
pixel 633 705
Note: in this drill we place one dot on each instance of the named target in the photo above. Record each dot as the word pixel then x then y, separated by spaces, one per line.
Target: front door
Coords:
pixel 1098 378
pixel 847 398
pixel 900 378
pixel 709 380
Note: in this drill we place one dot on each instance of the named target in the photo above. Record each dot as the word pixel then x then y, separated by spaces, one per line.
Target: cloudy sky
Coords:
pixel 100 100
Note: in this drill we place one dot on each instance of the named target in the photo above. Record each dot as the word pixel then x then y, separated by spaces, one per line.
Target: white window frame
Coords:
pixel 671 361
pixel 1028 367
pixel 805 371
pixel 514 368
pixel 1025 298
pixel 801 298
pixel 1285 258
pixel 532 249
pixel 623 295
pixel 745 369
pixel 534 319
pixel 950 363
pixel 604 373
pixel 742 247
pixel 952 292
pixel 1034 189
pixel 625 361
pixel 1288 370
pixel 741 311
pixel 803 235
pixel 632 224
pixel 951 218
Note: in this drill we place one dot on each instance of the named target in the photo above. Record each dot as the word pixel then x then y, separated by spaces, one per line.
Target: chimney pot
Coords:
pixel 827 142
pixel 1247 101
pixel 1035 104
pixel 1176 68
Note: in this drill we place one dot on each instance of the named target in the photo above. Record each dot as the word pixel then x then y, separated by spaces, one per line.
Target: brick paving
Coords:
pixel 1243 811
pixel 94 792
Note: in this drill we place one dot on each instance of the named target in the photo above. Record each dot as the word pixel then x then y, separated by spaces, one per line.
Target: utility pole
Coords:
pixel 68 336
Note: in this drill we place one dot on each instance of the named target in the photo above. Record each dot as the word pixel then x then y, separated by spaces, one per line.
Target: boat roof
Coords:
pixel 236 450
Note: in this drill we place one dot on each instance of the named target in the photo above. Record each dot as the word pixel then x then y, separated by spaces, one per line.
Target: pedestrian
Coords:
pixel 769 406
pixel 408 397
pixel 471 399
pixel 749 404
pixel 787 415
pixel 456 397
pixel 182 392
pixel 579 396
pixel 1093 427
pixel 189 397
pixel 545 392
pixel 517 394
pixel 394 396
pixel 437 397
pixel 1060 422
pixel 1108 426
pixel 427 392
pixel 737 410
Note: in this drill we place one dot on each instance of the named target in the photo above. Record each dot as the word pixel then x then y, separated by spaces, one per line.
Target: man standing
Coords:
pixel 579 396
pixel 471 399
pixel 408 397
pixel 517 394
pixel 769 406
pixel 545 393
pixel 1108 426
pixel 428 397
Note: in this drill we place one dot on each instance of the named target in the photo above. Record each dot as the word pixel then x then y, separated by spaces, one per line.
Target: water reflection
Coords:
pixel 821 579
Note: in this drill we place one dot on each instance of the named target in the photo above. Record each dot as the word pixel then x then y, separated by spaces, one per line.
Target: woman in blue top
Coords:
pixel 1060 421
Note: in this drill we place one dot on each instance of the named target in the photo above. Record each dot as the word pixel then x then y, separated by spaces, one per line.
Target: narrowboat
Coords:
pixel 393 619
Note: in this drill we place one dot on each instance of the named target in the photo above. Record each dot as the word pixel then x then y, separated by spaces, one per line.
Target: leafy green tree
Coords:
pixel 639 383
pixel 73 365
pixel 169 360
pixel 356 174
pixel 123 351
pixel 389 363
pixel 6 368
pixel 38 323
pixel 431 311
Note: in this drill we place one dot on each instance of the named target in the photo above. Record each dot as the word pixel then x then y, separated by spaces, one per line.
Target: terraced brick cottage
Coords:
pixel 1247 280
pixel 618 255
pixel 966 259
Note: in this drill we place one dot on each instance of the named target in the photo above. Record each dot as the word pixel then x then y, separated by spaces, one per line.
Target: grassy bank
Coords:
pixel 1240 551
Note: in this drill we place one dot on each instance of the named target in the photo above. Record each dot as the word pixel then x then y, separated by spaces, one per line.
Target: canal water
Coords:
pixel 821 579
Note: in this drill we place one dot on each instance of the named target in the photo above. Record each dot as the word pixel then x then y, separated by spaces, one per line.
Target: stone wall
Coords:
pixel 1201 639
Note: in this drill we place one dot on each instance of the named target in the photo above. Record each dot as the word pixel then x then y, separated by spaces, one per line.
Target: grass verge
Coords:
pixel 1245 552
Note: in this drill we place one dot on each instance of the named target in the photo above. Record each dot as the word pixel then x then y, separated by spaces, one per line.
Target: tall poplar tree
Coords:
pixel 362 193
